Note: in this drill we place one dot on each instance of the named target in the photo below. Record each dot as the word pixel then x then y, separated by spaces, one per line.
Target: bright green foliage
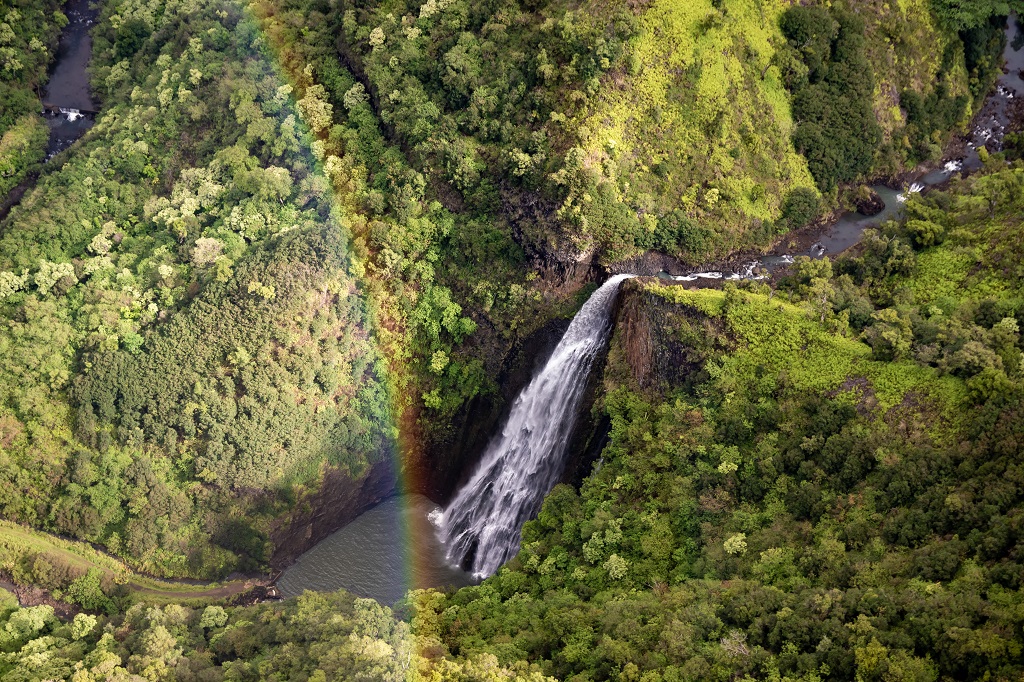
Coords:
pixel 965 14
pixel 22 147
pixel 314 637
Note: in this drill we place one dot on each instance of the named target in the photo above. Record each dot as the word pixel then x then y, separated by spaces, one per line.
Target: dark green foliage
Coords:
pixel 799 209
pixel 983 47
pixel 968 14
pixel 929 117
pixel 832 88
pixel 241 360
pixel 741 524
pixel 130 36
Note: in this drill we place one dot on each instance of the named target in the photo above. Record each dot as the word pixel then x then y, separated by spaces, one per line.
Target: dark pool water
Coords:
pixel 381 554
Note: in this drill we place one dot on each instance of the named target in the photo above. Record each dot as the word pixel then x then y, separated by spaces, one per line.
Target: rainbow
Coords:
pixel 283 47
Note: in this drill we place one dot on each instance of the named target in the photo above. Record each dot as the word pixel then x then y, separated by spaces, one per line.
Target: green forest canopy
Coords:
pixel 298 231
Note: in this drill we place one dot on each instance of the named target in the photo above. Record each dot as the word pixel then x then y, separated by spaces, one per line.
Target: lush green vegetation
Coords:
pixel 821 482
pixel 603 130
pixel 315 638
pixel 229 286
pixel 187 345
pixel 29 30
pixel 586 129
pixel 816 481
pixel 301 235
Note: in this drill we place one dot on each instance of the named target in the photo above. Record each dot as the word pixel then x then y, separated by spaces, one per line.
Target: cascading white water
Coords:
pixel 522 465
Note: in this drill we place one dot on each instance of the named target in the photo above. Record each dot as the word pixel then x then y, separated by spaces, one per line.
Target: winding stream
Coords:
pixel 67 92
pixel 67 105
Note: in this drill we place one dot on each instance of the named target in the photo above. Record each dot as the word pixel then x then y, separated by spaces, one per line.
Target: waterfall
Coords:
pixel 522 465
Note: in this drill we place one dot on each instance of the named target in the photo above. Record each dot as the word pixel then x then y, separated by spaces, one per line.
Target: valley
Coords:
pixel 510 341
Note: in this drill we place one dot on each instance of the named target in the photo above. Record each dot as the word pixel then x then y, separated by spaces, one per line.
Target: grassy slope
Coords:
pixel 17 541
pixel 700 108
pixel 778 337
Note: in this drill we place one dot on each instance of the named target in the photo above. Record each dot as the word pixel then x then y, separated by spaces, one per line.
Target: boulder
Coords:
pixel 868 202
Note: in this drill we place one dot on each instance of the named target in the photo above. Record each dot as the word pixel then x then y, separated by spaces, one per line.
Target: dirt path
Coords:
pixel 17 540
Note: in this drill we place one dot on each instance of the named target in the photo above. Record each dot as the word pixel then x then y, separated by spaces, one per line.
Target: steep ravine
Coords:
pixel 642 352
pixel 440 467
pixel 66 96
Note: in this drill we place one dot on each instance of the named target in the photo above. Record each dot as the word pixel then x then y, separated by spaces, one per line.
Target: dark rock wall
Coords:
pixel 658 345
pixel 335 503
pixel 449 462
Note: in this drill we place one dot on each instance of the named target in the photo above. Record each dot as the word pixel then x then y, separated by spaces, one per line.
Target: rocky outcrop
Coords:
pixel 658 344
pixel 868 202
pixel 543 238
pixel 338 500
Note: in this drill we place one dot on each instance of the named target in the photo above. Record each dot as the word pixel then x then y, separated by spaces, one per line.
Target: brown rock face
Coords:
pixel 658 344
pixel 635 336
pixel 543 238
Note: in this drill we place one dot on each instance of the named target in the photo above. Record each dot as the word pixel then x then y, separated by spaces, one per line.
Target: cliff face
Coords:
pixel 447 462
pixel 657 344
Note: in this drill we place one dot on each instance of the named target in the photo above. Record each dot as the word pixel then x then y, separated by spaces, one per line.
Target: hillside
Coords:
pixel 607 130
pixel 817 484
pixel 310 252
pixel 816 481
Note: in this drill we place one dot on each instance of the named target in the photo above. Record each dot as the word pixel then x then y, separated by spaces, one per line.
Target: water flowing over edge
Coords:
pixel 519 468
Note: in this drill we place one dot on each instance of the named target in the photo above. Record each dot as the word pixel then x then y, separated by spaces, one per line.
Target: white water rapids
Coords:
pixel 523 464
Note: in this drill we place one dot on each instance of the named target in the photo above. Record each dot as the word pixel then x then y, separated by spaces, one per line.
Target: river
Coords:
pixel 68 88
pixel 988 130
